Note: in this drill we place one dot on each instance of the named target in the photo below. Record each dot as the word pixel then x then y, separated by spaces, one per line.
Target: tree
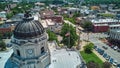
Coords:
pixel 92 64
pixel 68 32
pixel 87 25
pixel 76 14
pixel 2 45
pixel 89 47
pixel 52 36
pixel 1 36
pixel 9 15
pixel 106 65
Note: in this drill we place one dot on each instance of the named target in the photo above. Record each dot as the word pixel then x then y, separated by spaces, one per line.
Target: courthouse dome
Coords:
pixel 28 28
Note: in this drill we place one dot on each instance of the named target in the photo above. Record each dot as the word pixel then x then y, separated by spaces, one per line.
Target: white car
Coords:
pixel 115 62
pixel 115 48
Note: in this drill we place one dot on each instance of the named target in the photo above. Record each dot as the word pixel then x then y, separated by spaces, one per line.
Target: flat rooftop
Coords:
pixel 62 58
pixel 47 22
pixel 117 25
pixel 100 24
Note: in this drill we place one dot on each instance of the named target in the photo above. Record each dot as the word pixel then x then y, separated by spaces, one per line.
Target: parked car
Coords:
pixel 115 62
pixel 118 65
pixel 95 47
pixel 118 49
pixel 111 60
pixel 102 52
pixel 108 57
pixel 99 50
pixel 115 48
pixel 112 46
pixel 105 47
pixel 105 55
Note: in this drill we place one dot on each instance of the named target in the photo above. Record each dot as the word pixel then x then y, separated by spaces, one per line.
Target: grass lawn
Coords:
pixel 91 57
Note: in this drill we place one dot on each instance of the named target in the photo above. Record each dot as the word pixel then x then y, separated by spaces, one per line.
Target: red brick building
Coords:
pixel 4 30
pixel 100 27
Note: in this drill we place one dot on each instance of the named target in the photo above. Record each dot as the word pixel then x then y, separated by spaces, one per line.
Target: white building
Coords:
pixel 73 10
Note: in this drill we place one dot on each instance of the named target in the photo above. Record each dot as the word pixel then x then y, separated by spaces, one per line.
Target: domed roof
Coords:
pixel 28 28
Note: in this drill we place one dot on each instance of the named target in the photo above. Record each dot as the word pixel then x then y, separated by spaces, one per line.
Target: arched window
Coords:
pixel 18 52
pixel 42 50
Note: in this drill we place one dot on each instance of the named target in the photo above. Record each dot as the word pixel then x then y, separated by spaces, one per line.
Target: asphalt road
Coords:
pixel 94 38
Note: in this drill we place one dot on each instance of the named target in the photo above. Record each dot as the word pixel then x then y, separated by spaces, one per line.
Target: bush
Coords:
pixel 88 48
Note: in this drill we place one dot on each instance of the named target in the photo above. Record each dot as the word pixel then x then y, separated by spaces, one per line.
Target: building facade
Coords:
pixel 29 43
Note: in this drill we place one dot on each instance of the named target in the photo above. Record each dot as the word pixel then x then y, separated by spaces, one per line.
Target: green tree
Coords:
pixel 106 65
pixel 2 45
pixel 87 25
pixel 1 36
pixel 88 48
pixel 76 14
pixel 69 35
pixel 9 15
pixel 52 36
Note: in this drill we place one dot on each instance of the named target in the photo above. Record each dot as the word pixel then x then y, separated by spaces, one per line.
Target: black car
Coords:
pixel 102 52
pixel 104 47
pixel 118 66
pixel 95 47
pixel 118 49
pixel 112 46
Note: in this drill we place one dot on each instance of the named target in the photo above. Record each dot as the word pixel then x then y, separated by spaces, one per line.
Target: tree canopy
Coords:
pixel 69 35
pixel 2 45
pixel 89 47
pixel 87 25
pixel 52 36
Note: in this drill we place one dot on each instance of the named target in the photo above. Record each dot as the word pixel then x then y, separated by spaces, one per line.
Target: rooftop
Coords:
pixel 59 60
pixel 100 24
pixel 117 25
pixel 47 22
pixel 104 20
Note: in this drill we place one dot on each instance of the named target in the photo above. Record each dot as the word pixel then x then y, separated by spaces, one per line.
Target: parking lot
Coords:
pixel 94 38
